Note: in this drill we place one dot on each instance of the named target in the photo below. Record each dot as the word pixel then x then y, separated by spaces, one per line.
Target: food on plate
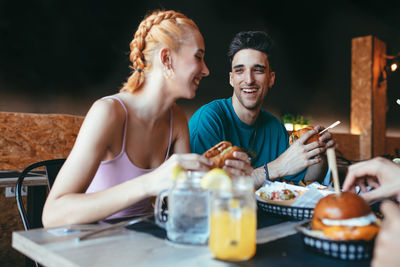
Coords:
pixel 221 152
pixel 345 216
pixel 283 194
pixel 297 134
pixel 280 193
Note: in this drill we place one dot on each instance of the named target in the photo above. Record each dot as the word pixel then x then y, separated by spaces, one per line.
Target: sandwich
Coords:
pixel 221 152
pixel 345 216
pixel 297 134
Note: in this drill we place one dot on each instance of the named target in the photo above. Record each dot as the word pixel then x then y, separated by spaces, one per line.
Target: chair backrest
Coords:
pixel 51 168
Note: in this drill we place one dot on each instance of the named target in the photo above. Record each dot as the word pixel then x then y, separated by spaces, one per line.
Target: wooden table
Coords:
pixel 145 244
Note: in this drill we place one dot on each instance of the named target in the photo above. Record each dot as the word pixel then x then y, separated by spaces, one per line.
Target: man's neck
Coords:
pixel 247 116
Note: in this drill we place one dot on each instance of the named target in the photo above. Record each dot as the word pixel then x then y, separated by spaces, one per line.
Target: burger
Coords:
pixel 297 134
pixel 345 216
pixel 221 152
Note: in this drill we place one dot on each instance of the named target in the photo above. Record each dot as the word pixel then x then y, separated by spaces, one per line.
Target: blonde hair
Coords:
pixel 159 28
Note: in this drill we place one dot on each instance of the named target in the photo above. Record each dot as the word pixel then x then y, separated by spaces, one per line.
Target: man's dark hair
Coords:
pixel 257 40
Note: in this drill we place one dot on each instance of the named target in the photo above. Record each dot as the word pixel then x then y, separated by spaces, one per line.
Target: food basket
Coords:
pixel 272 199
pixel 291 212
pixel 354 250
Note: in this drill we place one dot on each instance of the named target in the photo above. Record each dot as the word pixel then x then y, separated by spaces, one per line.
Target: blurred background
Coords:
pixel 60 56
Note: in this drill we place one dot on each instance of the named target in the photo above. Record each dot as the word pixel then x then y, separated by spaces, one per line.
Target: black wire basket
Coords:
pixel 353 250
pixel 296 213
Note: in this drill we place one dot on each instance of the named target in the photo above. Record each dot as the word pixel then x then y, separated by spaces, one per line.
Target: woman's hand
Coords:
pixel 160 179
pixel 380 174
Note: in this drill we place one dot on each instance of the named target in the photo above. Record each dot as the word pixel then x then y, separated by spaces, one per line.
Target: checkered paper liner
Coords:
pixel 353 250
pixel 291 212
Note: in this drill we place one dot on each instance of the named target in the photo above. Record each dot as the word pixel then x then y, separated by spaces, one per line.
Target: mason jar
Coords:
pixel 233 221
pixel 188 210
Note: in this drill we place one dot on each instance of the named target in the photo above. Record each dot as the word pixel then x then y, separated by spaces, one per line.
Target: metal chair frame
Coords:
pixel 52 168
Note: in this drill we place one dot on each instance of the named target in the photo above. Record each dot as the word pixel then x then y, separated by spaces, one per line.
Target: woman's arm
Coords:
pixel 67 202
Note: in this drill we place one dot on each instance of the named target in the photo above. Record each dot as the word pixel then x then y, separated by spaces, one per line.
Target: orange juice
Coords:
pixel 233 233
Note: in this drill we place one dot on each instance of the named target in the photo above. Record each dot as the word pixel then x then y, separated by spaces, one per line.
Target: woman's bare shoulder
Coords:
pixel 107 108
pixel 104 119
pixel 179 114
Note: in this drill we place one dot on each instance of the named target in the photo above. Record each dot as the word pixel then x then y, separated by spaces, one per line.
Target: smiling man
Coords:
pixel 241 120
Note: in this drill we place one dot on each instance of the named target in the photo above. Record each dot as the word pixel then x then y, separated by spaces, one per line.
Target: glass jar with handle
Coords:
pixel 188 210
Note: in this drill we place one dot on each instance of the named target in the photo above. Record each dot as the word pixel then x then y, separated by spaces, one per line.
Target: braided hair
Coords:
pixel 160 27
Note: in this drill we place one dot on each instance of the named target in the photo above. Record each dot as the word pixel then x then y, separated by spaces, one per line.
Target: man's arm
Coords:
pixel 293 161
pixel 298 158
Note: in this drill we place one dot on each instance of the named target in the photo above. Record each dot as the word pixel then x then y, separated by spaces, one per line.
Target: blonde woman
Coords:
pixel 129 142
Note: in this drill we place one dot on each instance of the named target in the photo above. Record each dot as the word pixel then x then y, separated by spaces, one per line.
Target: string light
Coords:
pixel 393 62
pixel 394 66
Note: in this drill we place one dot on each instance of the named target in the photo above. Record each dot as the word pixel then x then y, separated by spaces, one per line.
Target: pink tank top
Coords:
pixel 120 169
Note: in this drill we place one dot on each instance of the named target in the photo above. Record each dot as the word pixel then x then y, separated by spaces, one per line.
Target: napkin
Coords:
pixel 310 198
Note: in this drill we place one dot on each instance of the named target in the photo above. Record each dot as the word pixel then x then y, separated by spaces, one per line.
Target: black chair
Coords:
pixel 32 218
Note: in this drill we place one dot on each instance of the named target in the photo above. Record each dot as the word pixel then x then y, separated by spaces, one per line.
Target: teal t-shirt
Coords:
pixel 217 121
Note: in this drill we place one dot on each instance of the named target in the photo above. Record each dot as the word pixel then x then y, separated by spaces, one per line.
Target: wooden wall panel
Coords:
pixel 379 109
pixel 347 145
pixel 368 95
pixel 361 93
pixel 26 138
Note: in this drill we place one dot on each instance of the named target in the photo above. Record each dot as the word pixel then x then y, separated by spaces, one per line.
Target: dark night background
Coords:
pixel 59 56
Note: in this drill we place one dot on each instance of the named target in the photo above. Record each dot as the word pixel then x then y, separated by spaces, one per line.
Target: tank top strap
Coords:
pixel 126 117
pixel 171 124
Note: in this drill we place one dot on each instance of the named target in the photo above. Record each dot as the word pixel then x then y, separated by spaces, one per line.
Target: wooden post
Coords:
pixel 368 95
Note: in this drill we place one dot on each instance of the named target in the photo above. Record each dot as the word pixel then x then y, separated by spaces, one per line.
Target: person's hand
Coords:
pixel 387 244
pixel 326 137
pixel 297 157
pixel 380 174
pixel 239 166
pixel 160 180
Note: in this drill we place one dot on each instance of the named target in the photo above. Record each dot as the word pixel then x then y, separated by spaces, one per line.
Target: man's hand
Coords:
pixel 326 137
pixel 239 166
pixel 299 155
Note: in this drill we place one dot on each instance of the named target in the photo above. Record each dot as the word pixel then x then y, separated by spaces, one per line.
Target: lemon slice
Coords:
pixel 178 173
pixel 217 179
